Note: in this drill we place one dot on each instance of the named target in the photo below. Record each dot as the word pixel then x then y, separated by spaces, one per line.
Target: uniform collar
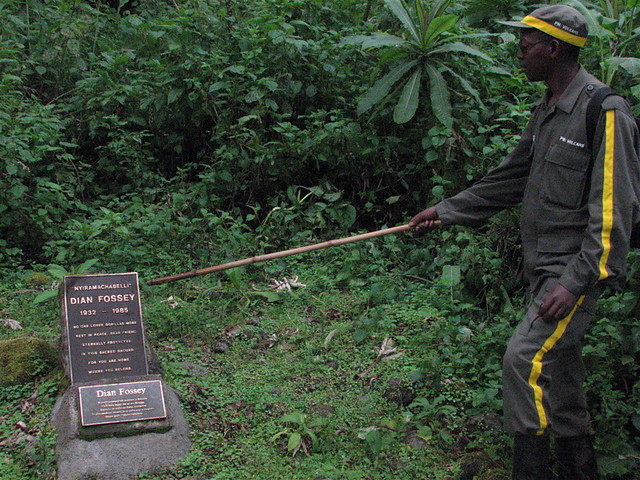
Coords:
pixel 572 92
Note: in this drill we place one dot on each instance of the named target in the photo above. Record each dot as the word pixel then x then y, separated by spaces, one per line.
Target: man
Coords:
pixel 579 202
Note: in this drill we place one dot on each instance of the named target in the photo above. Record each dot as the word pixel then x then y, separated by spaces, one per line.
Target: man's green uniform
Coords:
pixel 577 213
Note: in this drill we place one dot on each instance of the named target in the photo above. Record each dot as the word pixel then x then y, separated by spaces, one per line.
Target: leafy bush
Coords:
pixel 38 172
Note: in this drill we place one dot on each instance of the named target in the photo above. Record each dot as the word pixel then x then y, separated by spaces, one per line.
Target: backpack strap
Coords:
pixel 593 111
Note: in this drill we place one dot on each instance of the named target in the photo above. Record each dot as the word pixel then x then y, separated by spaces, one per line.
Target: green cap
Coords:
pixel 560 21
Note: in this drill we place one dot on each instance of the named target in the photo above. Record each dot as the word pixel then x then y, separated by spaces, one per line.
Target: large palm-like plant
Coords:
pixel 420 59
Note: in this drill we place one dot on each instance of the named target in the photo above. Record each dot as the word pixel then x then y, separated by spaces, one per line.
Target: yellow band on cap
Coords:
pixel 555 31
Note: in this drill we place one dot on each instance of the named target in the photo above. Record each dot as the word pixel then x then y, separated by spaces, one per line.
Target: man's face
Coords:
pixel 534 55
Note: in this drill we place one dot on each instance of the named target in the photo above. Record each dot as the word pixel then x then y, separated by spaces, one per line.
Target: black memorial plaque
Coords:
pixel 104 327
pixel 121 402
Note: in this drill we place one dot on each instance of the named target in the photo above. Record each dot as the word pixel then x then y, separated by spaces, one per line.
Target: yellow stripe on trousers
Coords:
pixel 607 192
pixel 536 368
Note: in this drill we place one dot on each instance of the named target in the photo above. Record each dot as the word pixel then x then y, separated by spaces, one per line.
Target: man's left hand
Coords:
pixel 557 304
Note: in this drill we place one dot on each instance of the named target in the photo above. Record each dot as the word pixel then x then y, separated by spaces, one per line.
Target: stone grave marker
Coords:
pixel 126 420
pixel 105 341
pixel 103 323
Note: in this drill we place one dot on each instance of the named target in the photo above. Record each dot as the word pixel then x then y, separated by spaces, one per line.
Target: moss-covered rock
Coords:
pixel 38 279
pixel 25 358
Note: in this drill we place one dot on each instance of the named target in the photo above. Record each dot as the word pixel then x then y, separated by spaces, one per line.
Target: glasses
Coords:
pixel 525 48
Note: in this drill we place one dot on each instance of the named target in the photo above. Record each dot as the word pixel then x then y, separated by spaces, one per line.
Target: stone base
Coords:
pixel 117 451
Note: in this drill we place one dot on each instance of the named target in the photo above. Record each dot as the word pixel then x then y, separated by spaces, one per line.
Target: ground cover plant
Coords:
pixel 160 137
pixel 319 382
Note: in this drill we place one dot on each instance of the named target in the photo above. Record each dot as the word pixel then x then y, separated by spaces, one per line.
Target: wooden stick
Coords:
pixel 284 253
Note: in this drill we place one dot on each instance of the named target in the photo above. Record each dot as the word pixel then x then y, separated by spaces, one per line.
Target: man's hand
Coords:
pixel 425 219
pixel 557 304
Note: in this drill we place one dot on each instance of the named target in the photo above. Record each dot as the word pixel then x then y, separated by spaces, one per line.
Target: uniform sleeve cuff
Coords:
pixel 443 213
pixel 571 285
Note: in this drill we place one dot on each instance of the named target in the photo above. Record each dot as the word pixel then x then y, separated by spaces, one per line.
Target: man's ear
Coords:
pixel 554 48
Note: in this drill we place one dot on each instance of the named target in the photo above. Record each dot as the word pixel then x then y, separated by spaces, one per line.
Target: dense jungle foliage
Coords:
pixel 167 135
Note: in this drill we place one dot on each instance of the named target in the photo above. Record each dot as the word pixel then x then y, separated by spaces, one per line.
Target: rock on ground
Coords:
pixel 24 358
pixel 118 458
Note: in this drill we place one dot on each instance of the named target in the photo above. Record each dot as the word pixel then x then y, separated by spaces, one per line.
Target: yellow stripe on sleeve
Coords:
pixel 607 192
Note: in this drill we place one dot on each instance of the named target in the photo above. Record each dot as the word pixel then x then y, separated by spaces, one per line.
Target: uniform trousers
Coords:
pixel 543 372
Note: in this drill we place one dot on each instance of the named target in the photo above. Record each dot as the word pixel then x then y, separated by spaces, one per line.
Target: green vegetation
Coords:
pixel 429 51
pixel 160 137
pixel 25 358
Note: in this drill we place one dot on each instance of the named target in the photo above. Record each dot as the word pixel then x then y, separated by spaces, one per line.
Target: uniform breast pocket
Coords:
pixel 565 176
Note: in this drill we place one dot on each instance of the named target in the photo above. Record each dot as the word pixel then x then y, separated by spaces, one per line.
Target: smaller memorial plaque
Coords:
pixel 121 402
pixel 104 328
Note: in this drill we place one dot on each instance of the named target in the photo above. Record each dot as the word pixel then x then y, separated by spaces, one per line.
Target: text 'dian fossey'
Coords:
pixel 104 327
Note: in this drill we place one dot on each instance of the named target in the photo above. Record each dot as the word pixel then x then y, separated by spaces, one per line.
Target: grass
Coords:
pixel 365 373
pixel 245 359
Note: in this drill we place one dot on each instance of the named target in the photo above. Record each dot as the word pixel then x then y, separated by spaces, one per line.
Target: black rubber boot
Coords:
pixel 576 458
pixel 531 458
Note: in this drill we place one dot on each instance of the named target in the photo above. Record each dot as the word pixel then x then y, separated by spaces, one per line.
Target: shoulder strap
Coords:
pixel 593 110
